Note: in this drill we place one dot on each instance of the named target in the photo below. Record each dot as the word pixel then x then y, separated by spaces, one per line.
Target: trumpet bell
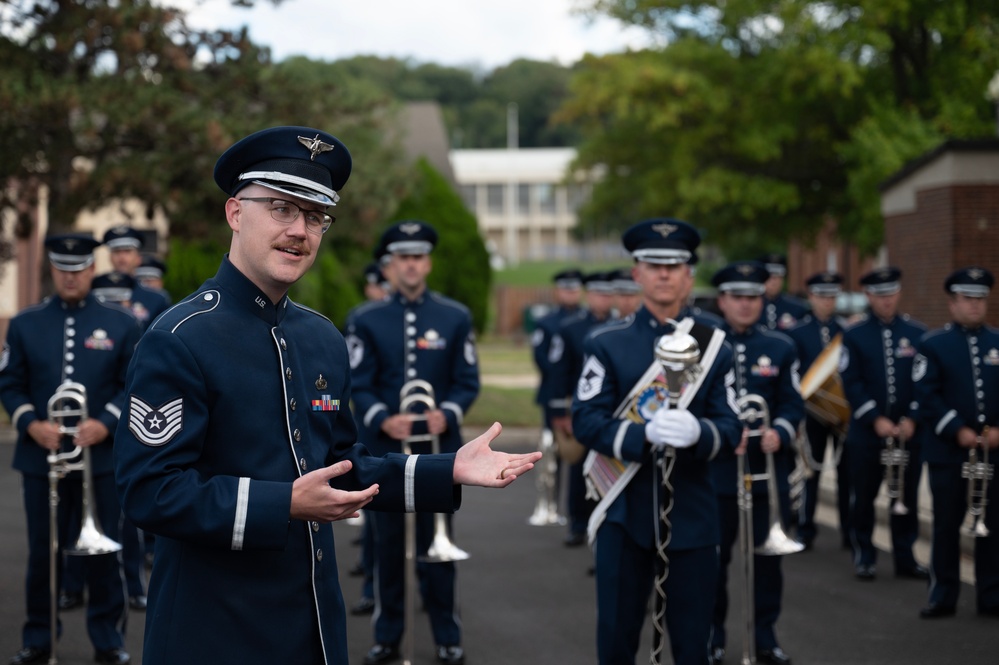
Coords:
pixel 778 543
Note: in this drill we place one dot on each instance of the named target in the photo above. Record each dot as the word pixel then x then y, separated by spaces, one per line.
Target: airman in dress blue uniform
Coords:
pixel 236 446
pixel 780 311
pixel 627 292
pixel 415 334
pixel 625 524
pixel 568 290
pixel 71 336
pixel 957 384
pixel 811 337
pixel 600 293
pixel 766 364
pixel 150 274
pixel 124 243
pixel 876 369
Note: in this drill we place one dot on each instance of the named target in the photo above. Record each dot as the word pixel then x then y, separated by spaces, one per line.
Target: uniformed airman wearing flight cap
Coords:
pixel 414 334
pixel 236 445
pixel 780 311
pixel 766 365
pixel 875 365
pixel 124 243
pixel 957 386
pixel 616 414
pixel 71 252
pixel 811 335
pixel 114 287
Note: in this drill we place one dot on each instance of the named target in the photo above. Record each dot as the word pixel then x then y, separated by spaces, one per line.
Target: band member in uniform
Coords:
pixel 124 243
pixel 71 336
pixel 568 293
pixel 876 369
pixel 780 311
pixel 766 364
pixel 627 293
pixel 150 275
pixel 416 334
pixel 600 292
pixel 957 385
pixel 811 336
pixel 617 357
pixel 236 446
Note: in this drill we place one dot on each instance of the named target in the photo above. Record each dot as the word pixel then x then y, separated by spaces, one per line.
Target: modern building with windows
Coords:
pixel 524 201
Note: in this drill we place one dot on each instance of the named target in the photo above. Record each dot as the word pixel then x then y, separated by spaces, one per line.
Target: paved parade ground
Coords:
pixel 526 599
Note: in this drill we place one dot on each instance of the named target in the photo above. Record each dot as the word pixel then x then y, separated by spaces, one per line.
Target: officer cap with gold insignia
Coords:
pixel 776 264
pixel 570 278
pixel 409 237
pixel 71 252
pixel 828 284
pixel 150 268
pixel 741 278
pixel 122 237
pixel 662 240
pixel 301 162
pixel 882 281
pixel 113 286
pixel 973 282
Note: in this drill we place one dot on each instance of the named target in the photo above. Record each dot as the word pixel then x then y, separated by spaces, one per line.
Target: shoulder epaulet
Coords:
pixel 115 307
pixel 200 302
pixel 310 311
pixel 777 334
pixel 444 300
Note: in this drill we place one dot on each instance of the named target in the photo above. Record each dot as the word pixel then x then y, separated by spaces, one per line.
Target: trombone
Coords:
pixel 895 459
pixel 978 473
pixel 753 409
pixel 415 393
pixel 69 402
pixel 546 508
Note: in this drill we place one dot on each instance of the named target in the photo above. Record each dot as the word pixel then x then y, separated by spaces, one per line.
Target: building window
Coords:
pixel 546 198
pixel 494 199
pixel 578 194
pixel 523 199
pixel 467 193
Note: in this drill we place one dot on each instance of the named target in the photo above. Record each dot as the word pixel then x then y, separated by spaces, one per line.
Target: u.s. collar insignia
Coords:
pixel 320 383
pixel 664 229
pixel 409 229
pixel 316 146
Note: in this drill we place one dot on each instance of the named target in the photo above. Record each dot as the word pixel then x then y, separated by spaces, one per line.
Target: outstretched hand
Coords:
pixel 478 464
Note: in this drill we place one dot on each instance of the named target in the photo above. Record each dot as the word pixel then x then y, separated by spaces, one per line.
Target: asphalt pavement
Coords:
pixel 526 599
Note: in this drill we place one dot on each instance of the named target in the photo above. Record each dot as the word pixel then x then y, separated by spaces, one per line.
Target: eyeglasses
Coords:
pixel 286 212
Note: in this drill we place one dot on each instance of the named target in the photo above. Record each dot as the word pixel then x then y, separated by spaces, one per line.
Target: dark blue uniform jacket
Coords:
pixel 230 399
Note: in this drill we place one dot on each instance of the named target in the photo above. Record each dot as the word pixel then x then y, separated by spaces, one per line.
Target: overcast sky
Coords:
pixel 480 34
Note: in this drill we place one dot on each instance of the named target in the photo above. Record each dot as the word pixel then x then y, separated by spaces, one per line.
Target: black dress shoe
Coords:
pixel 70 601
pixel 29 655
pixel 382 653
pixel 137 603
pixel 364 606
pixel 775 656
pixel 112 657
pixel 574 539
pixel 937 611
pixel 865 573
pixel 716 655
pixel 916 572
pixel 452 655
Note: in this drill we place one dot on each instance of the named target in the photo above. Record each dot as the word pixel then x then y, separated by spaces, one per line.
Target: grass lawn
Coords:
pixel 511 405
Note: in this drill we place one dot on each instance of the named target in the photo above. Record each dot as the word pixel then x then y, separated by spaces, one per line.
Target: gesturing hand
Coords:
pixel 313 499
pixel 478 464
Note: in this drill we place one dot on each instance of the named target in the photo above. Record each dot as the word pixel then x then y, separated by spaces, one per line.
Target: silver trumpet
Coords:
pixel 546 508
pixel 895 459
pixel 69 405
pixel 978 473
pixel 678 354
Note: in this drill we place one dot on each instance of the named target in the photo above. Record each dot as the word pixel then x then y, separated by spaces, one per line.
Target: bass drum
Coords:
pixel 822 388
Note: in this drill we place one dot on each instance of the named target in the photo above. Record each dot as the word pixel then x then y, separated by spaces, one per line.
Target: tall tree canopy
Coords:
pixel 760 120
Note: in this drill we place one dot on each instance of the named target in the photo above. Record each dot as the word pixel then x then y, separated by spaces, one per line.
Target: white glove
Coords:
pixel 678 428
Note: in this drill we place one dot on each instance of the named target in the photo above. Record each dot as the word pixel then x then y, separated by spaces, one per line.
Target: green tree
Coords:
pixel 461 269
pixel 759 120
